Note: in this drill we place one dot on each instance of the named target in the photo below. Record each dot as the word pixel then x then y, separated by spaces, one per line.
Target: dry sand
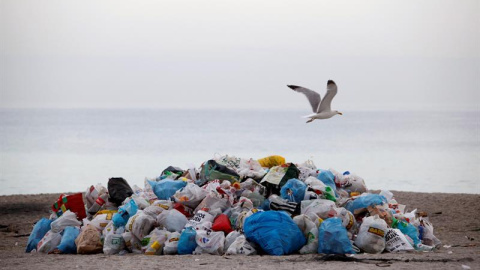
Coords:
pixel 455 218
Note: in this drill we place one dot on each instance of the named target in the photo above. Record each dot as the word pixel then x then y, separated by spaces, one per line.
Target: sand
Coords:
pixel 455 218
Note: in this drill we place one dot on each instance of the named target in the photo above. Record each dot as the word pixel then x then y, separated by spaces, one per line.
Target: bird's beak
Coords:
pixel 340 113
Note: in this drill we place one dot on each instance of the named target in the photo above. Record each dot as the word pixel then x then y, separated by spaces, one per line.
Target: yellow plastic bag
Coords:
pixel 271 161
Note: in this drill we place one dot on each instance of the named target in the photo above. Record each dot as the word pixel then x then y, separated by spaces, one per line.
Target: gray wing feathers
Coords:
pixel 312 96
pixel 327 99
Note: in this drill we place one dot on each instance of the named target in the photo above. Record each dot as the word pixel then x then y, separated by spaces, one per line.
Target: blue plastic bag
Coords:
pixel 333 238
pixel 275 232
pixel 38 232
pixel 187 243
pixel 120 218
pixel 410 230
pixel 328 179
pixel 67 244
pixel 166 188
pixel 293 190
pixel 365 201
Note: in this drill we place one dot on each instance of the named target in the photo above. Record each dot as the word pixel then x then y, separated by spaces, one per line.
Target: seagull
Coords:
pixel 321 108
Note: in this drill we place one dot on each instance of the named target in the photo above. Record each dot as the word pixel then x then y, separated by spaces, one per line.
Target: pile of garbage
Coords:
pixel 232 205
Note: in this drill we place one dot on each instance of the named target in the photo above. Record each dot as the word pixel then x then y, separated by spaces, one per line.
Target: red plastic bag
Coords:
pixel 222 223
pixel 183 209
pixel 73 202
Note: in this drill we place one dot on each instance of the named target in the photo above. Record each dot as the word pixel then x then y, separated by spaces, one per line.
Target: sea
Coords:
pixel 67 150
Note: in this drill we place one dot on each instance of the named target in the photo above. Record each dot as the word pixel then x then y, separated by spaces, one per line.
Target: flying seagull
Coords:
pixel 320 107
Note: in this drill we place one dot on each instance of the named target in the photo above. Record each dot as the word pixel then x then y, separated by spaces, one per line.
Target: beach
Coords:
pixel 454 217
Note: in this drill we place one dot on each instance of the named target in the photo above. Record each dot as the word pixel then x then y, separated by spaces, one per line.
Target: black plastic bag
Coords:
pixel 118 190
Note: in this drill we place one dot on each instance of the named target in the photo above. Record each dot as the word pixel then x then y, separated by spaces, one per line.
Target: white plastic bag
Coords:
pixel 191 195
pixel 49 242
pixel 156 241
pixel 241 246
pixel 113 242
pixel 199 218
pixel 172 220
pixel 310 230
pixel 140 224
pixel 371 236
pixel 67 219
pixel 100 221
pixel 250 168
pixel 153 210
pixel 395 241
pixel 171 245
pixel 209 242
pixel 132 243
pixel 320 207
pixel 229 239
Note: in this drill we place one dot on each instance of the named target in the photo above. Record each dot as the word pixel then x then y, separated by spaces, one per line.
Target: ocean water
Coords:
pixel 67 150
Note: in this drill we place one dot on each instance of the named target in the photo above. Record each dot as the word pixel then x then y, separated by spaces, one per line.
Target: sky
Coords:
pixel 183 54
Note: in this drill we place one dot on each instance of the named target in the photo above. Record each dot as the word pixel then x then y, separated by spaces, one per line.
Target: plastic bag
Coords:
pixel 215 200
pixel 124 213
pixel 322 208
pixel 191 195
pixel 67 219
pixel 241 246
pixel 211 170
pixel 278 204
pixel 271 161
pixel 187 242
pixel 88 241
pixel 172 220
pixel 132 243
pixel 395 241
pixel 371 236
pixel 310 231
pixel 278 176
pixel 250 168
pixel 153 211
pixel 361 203
pixel 209 242
pixel 166 188
pixel 328 179
pixel 140 224
pixel 409 230
pixel 275 232
pixel 113 241
pixel 428 237
pixel 229 239
pixel 49 242
pixel 333 238
pixel 142 203
pixel 222 223
pixel 118 190
pixel 199 218
pixel 156 242
pixel 171 245
pixel 319 189
pixel 102 218
pixel 67 244
pixel 293 190
pixel 38 232
pixel 73 202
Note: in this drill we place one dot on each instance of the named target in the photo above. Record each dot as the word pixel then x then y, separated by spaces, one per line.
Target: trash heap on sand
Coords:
pixel 232 206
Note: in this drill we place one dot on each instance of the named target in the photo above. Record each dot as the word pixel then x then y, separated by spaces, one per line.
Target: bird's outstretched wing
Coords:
pixel 327 99
pixel 312 96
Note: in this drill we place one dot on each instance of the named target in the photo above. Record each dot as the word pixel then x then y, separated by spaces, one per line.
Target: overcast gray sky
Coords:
pixel 239 54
